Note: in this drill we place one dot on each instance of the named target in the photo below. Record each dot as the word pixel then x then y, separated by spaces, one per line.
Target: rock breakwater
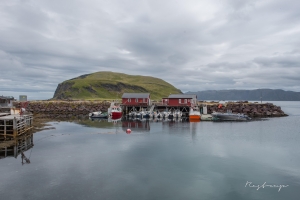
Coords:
pixel 65 107
pixel 250 109
pixel 84 107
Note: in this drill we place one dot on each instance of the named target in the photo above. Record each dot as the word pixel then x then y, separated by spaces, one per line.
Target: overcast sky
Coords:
pixel 194 44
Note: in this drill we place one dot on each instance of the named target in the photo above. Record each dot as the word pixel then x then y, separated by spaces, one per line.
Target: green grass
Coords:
pixel 157 88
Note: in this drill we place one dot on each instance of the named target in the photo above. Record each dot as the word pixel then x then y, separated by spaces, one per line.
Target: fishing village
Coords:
pixel 16 117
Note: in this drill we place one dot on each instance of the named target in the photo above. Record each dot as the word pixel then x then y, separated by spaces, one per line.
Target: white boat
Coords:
pixel 139 114
pixel 98 114
pixel 229 116
pixel 147 115
pixel 194 114
pixel 157 114
pixel 166 114
pixel 206 117
pixel 177 114
pixel 171 115
pixel 132 114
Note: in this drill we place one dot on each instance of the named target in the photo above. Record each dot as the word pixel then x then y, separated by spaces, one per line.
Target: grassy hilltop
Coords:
pixel 111 85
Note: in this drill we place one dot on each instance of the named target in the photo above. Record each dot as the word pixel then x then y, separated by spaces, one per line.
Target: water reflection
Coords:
pixel 17 147
pixel 136 125
pixel 165 160
pixel 115 121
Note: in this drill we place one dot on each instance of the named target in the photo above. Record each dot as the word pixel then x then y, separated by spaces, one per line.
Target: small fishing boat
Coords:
pixel 166 114
pixel 114 111
pixel 177 114
pixel 132 114
pixel 98 114
pixel 147 115
pixel 194 114
pixel 229 116
pixel 140 114
pixel 157 114
pixel 171 115
pixel 206 117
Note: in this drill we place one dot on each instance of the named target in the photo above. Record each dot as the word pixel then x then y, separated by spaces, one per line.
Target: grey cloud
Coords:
pixel 192 45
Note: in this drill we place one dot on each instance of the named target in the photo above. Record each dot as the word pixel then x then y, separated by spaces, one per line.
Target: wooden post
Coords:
pixel 15 134
pixel 16 149
pixel 4 121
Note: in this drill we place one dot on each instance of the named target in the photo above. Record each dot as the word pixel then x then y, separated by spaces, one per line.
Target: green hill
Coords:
pixel 111 85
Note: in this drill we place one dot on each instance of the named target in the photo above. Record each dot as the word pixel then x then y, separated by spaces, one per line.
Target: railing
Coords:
pixel 137 104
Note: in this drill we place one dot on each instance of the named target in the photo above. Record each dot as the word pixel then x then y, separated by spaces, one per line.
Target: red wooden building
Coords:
pixel 180 100
pixel 136 99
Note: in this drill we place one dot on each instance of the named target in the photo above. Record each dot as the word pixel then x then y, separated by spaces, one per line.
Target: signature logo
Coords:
pixel 249 184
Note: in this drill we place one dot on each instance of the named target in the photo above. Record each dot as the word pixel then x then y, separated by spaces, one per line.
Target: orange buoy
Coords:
pixel 128 131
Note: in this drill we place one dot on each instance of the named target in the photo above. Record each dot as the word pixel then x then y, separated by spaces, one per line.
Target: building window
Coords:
pixel 179 100
pixel 136 100
pixel 129 100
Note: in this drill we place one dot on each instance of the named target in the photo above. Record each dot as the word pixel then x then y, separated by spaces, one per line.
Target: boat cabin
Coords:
pixel 136 99
pixel 180 100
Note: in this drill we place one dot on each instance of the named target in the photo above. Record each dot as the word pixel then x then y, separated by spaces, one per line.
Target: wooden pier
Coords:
pixel 14 125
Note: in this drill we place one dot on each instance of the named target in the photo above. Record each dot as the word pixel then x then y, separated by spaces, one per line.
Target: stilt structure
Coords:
pixel 14 125
pixel 13 148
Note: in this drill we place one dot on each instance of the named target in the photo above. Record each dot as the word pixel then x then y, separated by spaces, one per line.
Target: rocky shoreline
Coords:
pixel 84 107
pixel 65 107
pixel 254 110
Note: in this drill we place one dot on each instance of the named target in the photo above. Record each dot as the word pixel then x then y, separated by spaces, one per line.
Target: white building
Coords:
pixel 6 101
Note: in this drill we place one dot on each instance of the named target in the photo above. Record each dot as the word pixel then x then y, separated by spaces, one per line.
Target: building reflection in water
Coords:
pixel 182 126
pixel 136 125
pixel 14 148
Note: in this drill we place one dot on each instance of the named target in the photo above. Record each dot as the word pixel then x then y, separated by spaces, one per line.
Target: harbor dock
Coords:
pixel 252 109
pixel 14 125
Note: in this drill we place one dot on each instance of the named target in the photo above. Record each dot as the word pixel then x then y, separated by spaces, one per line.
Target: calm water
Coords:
pixel 159 160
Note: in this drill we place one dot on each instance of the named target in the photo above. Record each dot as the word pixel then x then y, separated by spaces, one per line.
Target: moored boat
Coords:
pixel 194 114
pixel 147 115
pixel 157 114
pixel 171 115
pixel 229 116
pixel 98 114
pixel 206 117
pixel 132 114
pixel 166 114
pixel 177 114
pixel 114 111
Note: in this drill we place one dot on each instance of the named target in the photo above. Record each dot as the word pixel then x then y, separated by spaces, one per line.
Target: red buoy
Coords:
pixel 128 131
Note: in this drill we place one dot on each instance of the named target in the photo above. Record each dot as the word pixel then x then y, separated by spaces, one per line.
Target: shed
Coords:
pixel 180 100
pixel 136 99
